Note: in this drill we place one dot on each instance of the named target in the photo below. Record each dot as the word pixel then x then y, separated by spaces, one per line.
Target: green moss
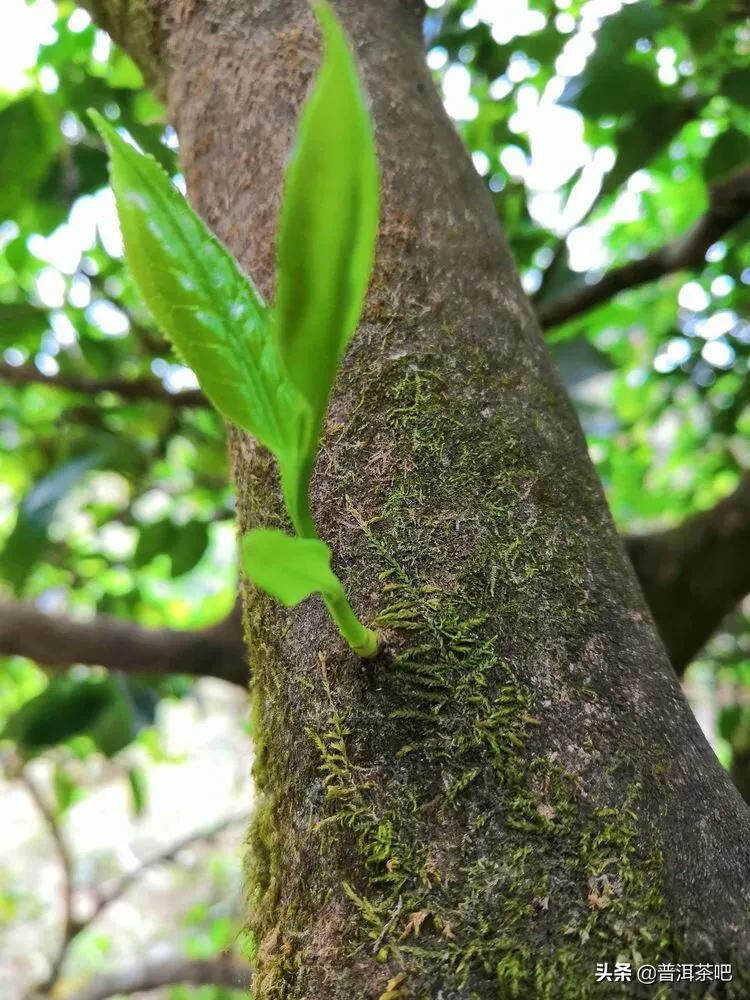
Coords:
pixel 473 859
pixel 475 718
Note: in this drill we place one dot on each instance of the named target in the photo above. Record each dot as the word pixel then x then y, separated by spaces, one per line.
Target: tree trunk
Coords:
pixel 515 790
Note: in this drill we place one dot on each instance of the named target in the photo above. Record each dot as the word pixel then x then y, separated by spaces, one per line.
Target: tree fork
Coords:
pixel 515 789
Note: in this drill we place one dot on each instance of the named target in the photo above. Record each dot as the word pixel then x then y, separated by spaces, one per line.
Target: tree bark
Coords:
pixel 516 789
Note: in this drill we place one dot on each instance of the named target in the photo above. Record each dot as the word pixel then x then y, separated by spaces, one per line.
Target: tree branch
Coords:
pixel 694 574
pixel 70 927
pixel 729 204
pixel 224 971
pixel 58 642
pixel 139 388
pixel 168 854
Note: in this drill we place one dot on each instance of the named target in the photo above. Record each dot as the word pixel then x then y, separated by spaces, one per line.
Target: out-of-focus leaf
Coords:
pixel 701 20
pixel 621 30
pixel 8 906
pixel 67 792
pixel 154 539
pixel 19 320
pixel 138 782
pixel 123 72
pixel 28 538
pixel 222 932
pixel 29 141
pixel 189 546
pixel 70 707
pixel 729 150
pixel 736 86
pixel 611 88
pixel 20 681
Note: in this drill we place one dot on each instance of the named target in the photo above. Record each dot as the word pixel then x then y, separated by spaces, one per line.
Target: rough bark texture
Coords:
pixel 692 576
pixel 516 788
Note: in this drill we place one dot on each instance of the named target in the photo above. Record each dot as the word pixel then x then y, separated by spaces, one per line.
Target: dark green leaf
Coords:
pixel 28 538
pixel 29 141
pixel 736 86
pixel 153 540
pixel 189 546
pixel 20 320
pixel 729 150
pixel 641 137
pixel 610 88
pixel 72 707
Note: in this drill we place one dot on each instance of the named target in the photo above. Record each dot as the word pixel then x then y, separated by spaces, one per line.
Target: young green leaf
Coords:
pixel 329 219
pixel 271 375
pixel 196 292
pixel 288 568
pixel 291 569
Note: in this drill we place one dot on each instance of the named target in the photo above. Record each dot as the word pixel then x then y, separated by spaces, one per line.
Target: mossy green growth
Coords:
pixel 474 719
pixel 471 858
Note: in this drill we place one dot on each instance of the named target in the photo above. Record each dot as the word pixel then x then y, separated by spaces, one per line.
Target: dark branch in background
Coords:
pixel 693 575
pixel 139 388
pixel 689 112
pixel 58 642
pixel 729 204
pixel 124 883
pixel 70 927
pixel 224 971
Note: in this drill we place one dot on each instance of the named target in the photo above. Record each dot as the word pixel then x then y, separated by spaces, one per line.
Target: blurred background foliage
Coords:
pixel 599 128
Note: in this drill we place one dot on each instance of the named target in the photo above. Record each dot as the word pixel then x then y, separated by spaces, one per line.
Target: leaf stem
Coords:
pixel 297 500
pixel 363 641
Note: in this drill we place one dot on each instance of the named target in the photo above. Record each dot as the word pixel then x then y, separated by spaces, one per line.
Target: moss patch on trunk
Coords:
pixel 476 863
